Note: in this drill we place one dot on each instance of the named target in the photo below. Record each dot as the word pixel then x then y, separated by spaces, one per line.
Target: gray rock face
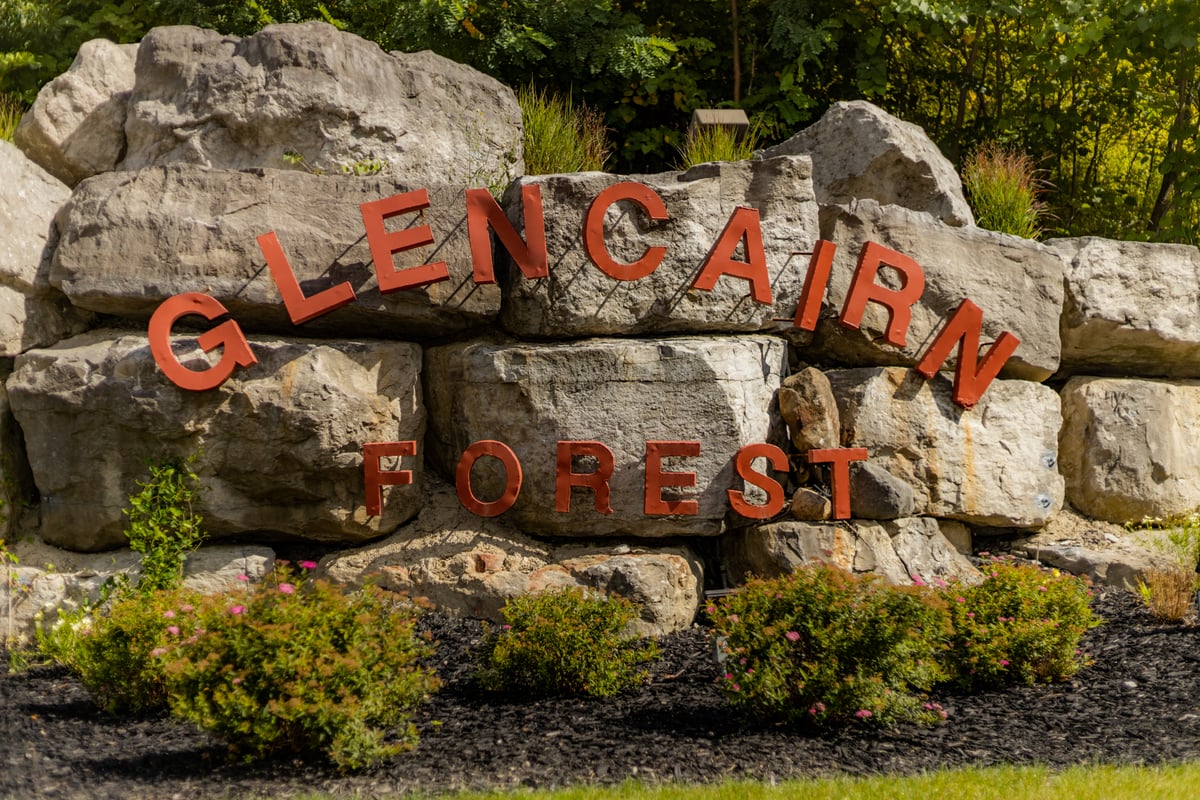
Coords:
pixel 619 392
pixel 809 504
pixel 132 239
pixel 580 299
pixel 898 551
pixel 76 127
pixel 988 268
pixel 860 151
pixel 220 101
pixel 279 444
pixel 996 464
pixel 1131 308
pixel 876 494
pixel 471 565
pixel 32 312
pixel 1127 447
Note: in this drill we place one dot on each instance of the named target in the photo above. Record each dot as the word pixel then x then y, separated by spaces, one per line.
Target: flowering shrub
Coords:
pixel 304 667
pixel 565 642
pixel 118 654
pixel 823 646
pixel 1022 624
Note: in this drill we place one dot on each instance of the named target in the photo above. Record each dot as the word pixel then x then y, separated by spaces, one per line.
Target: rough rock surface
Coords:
pixel 877 494
pixel 1131 308
pixel 619 392
pixel 897 550
pixel 1128 447
pixel 470 565
pixel 579 299
pixel 990 269
pixel 129 240
pixel 860 151
pixel 32 312
pixel 220 101
pixel 76 127
pixel 48 581
pixel 809 504
pixel 279 444
pixel 807 405
pixel 996 464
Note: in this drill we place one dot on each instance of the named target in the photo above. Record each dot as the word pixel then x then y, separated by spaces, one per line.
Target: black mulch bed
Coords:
pixel 1138 703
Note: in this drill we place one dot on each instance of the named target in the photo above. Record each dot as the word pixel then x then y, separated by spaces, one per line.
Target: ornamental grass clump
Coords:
pixel 1003 188
pixel 565 642
pixel 118 651
pixel 1021 624
pixel 559 135
pixel 823 647
pixel 306 668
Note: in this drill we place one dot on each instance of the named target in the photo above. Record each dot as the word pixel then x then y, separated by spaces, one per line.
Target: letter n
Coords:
pixel 963 328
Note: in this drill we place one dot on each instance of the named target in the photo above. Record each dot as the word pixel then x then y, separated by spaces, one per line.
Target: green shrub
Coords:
pixel 559 136
pixel 822 646
pixel 119 655
pixel 1022 624
pixel 565 642
pixel 1003 189
pixel 304 667
pixel 717 143
pixel 162 524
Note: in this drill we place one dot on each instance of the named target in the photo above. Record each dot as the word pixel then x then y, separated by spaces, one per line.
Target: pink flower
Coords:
pixel 728 676
pixel 863 713
pixel 158 651
pixel 235 610
pixel 236 681
pixel 737 688
pixel 820 707
pixel 733 618
pixel 1003 662
pixel 287 588
pixel 169 614
pixel 243 578
pixel 792 636
pixel 916 579
pixel 187 607
pixel 307 564
pixel 173 630
pixel 960 599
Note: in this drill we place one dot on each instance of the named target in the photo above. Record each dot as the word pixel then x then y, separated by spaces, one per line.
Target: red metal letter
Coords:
pixel 839 474
pixel 376 479
pixel 597 481
pixel 745 470
pixel 899 302
pixel 512 484
pixel 300 308
pixel 484 213
pixel 384 244
pixel 228 333
pixel 593 230
pixel 816 280
pixel 656 479
pixel 963 328
pixel 744 226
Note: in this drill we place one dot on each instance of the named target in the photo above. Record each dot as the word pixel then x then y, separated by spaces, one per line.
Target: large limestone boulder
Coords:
pixel 32 312
pixel 902 551
pixel 995 464
pixel 132 239
pixel 48 581
pixel 1128 447
pixel 1132 308
pixel 76 126
pixel 580 299
pixel 1018 284
pixel 279 445
pixel 219 101
pixel 471 565
pixel 860 151
pixel 620 392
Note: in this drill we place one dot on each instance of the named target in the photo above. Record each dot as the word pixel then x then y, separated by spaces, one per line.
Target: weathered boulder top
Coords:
pixel 334 99
pixel 860 151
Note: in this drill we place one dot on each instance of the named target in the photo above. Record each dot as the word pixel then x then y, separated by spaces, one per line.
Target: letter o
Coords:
pixel 512 485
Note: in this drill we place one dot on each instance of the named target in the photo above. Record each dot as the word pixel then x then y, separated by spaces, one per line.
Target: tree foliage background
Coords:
pixel 1101 94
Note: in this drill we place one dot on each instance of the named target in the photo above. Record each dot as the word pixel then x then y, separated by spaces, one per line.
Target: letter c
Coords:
pixel 228 333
